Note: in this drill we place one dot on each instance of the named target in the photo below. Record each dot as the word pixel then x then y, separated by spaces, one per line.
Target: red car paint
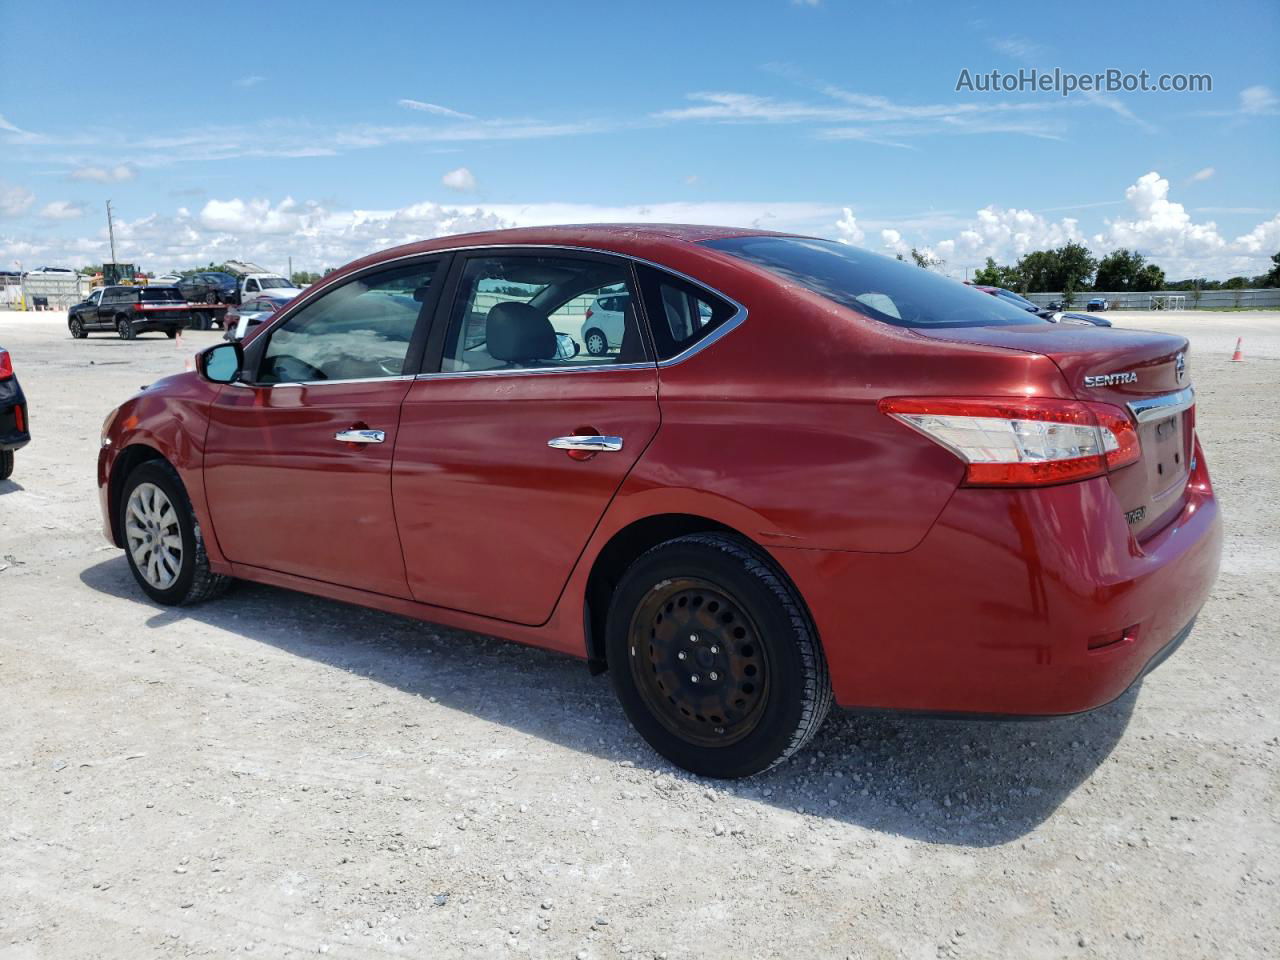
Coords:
pixel 926 594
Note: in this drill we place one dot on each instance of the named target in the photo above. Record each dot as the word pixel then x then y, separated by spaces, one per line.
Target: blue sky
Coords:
pixel 304 130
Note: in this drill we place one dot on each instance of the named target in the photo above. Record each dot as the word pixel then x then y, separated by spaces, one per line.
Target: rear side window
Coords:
pixel 878 287
pixel 159 293
pixel 680 313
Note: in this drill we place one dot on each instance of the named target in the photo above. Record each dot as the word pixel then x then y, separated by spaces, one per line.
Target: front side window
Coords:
pixel 94 297
pixel 882 288
pixel 536 312
pixel 360 330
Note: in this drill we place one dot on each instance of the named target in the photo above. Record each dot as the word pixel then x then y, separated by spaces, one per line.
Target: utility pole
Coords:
pixel 290 278
pixel 111 232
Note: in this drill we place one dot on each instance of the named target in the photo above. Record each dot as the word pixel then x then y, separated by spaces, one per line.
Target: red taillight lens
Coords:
pixel 6 365
pixel 1022 442
pixel 19 420
pixel 588 316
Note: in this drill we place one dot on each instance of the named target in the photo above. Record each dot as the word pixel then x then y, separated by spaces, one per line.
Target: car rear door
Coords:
pixel 492 515
pixel 298 460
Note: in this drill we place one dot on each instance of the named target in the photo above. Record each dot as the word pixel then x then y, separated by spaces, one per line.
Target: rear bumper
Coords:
pixel 15 425
pixel 995 611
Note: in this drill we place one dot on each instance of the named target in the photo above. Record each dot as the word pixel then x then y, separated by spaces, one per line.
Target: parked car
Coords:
pixel 809 473
pixel 169 279
pixel 211 286
pixel 130 311
pixel 1052 313
pixel 15 426
pixel 238 320
pixel 603 323
pixel 265 284
pixel 1098 303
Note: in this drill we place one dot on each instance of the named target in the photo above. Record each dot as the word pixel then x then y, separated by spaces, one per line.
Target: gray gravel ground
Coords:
pixel 282 775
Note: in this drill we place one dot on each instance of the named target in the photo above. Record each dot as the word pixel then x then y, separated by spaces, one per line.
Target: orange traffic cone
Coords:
pixel 1238 356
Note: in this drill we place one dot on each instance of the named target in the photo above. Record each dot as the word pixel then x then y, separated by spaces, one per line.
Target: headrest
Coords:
pixel 518 333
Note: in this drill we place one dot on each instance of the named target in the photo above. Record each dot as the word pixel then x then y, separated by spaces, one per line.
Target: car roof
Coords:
pixel 631 239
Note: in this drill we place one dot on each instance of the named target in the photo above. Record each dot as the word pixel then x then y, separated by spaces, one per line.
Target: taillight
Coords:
pixel 6 365
pixel 588 316
pixel 1023 442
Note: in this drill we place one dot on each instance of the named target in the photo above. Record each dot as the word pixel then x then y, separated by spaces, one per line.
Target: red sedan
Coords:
pixel 805 473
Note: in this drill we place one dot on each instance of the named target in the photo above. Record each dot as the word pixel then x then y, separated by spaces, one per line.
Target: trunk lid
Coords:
pixel 1143 372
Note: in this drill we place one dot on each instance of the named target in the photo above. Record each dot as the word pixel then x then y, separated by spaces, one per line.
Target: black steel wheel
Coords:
pixel 713 657
pixel 210 297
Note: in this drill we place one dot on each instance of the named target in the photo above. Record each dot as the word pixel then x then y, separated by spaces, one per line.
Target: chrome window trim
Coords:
pixel 320 383
pixel 735 321
pixel 1164 405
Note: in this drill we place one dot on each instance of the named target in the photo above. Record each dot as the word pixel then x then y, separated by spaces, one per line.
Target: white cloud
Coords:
pixel 15 200
pixel 250 81
pixel 1263 239
pixel 1203 174
pixel 8 127
pixel 1019 48
pixel 1259 101
pixel 434 108
pixel 61 210
pixel 461 179
pixel 847 229
pixel 256 216
pixel 891 240
pixel 1160 227
pixel 116 174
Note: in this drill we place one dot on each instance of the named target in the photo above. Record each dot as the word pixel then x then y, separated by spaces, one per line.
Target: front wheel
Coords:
pixel 124 329
pixel 714 658
pixel 171 332
pixel 162 539
pixel 77 329
pixel 211 298
pixel 6 464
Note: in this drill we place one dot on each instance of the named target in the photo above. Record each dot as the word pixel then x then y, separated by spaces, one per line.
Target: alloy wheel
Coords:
pixel 154 539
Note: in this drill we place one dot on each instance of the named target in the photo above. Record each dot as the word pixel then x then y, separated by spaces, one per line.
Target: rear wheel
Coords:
pixel 171 332
pixel 210 297
pixel 713 657
pixel 124 329
pixel 162 539
pixel 597 343
pixel 77 329
pixel 6 464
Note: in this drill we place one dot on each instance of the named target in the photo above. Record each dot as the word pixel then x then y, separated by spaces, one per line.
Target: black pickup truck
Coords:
pixel 130 311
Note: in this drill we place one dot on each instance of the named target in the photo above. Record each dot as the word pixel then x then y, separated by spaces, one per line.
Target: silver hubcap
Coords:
pixel 155 542
pixel 595 343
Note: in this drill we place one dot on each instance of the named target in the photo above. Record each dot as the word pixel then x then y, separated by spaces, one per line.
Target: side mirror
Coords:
pixel 566 347
pixel 222 363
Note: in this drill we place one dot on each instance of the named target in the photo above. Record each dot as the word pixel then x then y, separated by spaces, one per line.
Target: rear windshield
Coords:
pixel 880 287
pixel 160 293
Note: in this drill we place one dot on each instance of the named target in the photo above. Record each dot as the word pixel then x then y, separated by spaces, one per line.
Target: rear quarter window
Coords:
pixel 681 313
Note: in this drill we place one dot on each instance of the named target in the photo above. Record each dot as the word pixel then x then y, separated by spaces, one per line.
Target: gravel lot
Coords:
pixel 286 775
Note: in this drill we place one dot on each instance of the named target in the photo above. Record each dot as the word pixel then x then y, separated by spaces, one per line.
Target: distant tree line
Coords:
pixel 1072 269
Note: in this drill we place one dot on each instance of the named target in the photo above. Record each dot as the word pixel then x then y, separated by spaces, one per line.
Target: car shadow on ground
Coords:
pixel 972 783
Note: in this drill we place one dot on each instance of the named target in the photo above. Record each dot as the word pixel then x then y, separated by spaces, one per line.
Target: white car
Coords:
pixel 167 278
pixel 273 285
pixel 603 324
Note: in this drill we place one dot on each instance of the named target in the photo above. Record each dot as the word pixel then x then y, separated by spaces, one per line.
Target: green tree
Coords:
pixel 1235 283
pixel 1068 269
pixel 1272 277
pixel 989 275
pixel 1149 277
pixel 925 260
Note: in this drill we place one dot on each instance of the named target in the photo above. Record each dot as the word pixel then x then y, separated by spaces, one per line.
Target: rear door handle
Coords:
pixel 360 436
pixel 591 444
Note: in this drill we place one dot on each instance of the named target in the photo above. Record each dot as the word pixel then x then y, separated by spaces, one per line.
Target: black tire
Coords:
pixel 77 328
pixel 124 329
pixel 6 464
pixel 194 582
pixel 749 639
pixel 596 342
pixel 171 332
pixel 211 297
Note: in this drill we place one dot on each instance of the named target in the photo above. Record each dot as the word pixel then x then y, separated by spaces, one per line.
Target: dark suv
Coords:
pixel 14 430
pixel 212 286
pixel 130 311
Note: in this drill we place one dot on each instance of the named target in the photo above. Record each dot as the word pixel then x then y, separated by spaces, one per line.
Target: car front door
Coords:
pixel 298 458
pixel 88 311
pixel 104 316
pixel 492 516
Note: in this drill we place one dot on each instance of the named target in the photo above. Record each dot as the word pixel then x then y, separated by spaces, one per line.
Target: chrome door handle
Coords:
pixel 360 436
pixel 592 444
